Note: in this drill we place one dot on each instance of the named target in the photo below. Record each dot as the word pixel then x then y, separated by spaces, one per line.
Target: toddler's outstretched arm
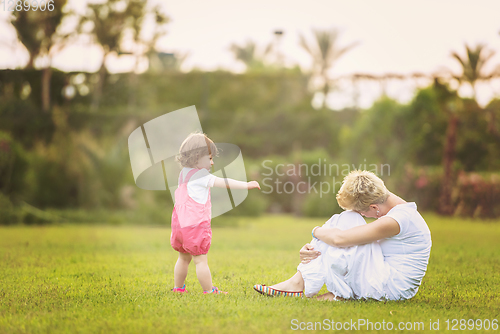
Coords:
pixel 234 184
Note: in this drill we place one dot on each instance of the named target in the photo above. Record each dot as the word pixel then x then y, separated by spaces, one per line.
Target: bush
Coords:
pixel 473 195
pixel 477 196
pixel 52 184
pixel 321 206
pixel 253 206
pixel 13 166
pixel 7 213
pixel 421 185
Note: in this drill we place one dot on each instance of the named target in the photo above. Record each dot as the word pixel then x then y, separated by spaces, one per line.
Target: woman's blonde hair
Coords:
pixel 195 146
pixel 361 188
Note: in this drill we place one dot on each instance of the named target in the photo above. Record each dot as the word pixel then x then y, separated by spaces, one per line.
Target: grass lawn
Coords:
pixel 73 278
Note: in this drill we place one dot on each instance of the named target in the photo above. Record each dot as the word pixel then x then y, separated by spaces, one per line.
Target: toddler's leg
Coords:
pixel 203 272
pixel 181 269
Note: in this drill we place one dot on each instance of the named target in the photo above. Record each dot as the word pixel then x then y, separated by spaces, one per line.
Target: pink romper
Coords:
pixel 191 232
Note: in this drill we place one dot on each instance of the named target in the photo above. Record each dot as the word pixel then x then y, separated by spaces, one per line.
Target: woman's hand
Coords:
pixel 307 253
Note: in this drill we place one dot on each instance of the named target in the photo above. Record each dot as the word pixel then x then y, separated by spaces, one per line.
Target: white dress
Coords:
pixel 351 273
pixel 392 268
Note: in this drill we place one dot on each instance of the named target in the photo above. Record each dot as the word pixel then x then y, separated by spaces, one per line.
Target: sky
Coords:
pixel 393 36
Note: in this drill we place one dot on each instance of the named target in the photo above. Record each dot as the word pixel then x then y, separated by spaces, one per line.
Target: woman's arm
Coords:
pixel 382 228
pixel 233 184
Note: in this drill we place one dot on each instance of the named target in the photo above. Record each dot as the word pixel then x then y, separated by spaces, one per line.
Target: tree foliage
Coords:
pixel 473 64
pixel 38 30
pixel 325 51
pixel 249 55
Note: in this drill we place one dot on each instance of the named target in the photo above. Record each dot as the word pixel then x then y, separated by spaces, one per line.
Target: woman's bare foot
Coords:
pixel 293 284
pixel 329 296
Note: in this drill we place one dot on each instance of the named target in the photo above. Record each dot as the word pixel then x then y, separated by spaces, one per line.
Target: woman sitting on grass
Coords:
pixel 383 260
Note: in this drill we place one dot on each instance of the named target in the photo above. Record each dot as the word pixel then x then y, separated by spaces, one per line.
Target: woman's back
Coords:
pixel 407 253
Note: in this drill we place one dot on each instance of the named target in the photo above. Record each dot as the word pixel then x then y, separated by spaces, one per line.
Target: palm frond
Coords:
pixel 303 43
pixel 459 58
pixel 339 53
pixel 473 63
pixel 244 53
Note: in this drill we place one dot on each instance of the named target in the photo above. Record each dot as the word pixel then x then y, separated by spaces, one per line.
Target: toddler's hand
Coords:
pixel 253 184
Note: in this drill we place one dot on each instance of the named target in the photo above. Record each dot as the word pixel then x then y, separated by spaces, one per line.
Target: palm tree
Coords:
pixel 451 104
pixel 249 56
pixel 325 52
pixel 473 65
pixel 473 71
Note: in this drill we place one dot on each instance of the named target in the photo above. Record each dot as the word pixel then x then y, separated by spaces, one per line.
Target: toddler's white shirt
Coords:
pixel 199 184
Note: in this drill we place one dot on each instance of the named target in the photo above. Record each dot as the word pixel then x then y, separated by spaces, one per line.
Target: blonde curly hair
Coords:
pixel 360 189
pixel 195 146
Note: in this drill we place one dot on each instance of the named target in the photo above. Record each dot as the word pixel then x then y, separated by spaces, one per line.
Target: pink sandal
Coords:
pixel 180 290
pixel 215 291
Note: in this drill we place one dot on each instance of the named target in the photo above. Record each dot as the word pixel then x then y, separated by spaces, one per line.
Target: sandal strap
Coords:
pixel 176 289
pixel 215 290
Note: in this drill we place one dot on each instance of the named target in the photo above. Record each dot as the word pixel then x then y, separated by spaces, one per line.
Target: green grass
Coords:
pixel 74 279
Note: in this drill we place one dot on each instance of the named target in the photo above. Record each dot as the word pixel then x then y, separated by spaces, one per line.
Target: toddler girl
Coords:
pixel 191 233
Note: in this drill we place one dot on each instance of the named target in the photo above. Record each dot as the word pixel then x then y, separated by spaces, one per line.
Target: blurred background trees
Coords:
pixel 250 56
pixel 63 136
pixel 115 23
pixel 38 31
pixel 324 51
